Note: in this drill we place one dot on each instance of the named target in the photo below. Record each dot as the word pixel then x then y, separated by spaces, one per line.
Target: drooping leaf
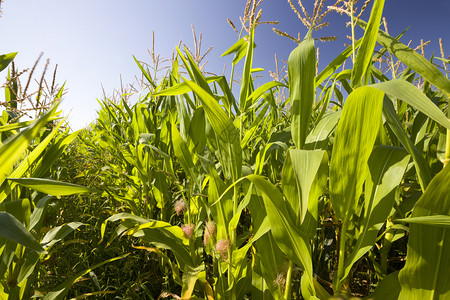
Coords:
pixel 239 48
pixel 56 234
pixel 52 187
pixel 190 277
pixel 412 59
pixel 5 59
pixel 442 221
pixel 256 94
pixel 407 92
pixel 15 231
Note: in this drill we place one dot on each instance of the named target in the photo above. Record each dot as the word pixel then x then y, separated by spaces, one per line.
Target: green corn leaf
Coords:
pixel 197 73
pixel 413 60
pixel 52 187
pixel 223 210
pixel 407 92
pixel 318 137
pixel 28 267
pixel 386 168
pixel 228 95
pixel 364 57
pixel 335 64
pixel 162 234
pixel 247 73
pixel 51 154
pixel 270 260
pixel 5 59
pixel 254 127
pixel 18 125
pixel 183 155
pixel 30 159
pixel 165 240
pixel 144 72
pixel 240 44
pixel 299 172
pixel 37 216
pixel 239 48
pixel 422 168
pixel 353 144
pixel 20 209
pixel 256 94
pixel 287 235
pixel 13 230
pixel 301 69
pixel 190 277
pixel 183 88
pixel 434 220
pixel 60 92
pixel 11 151
pixel 11 91
pixel 197 130
pixel 165 227
pixel 426 271
pixel 387 289
pixel 56 234
pixel 227 136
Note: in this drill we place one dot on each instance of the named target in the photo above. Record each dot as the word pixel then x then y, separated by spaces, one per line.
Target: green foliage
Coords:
pixel 197 194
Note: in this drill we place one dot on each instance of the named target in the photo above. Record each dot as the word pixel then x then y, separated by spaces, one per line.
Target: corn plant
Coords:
pixel 27 153
pixel 237 199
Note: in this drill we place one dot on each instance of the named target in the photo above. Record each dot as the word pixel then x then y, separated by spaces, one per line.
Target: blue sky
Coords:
pixel 93 41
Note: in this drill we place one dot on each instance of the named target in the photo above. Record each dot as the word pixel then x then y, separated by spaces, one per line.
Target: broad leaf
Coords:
pixel 386 168
pixel 407 92
pixel 13 230
pixel 426 271
pixel 301 69
pixel 353 145
pixel 229 148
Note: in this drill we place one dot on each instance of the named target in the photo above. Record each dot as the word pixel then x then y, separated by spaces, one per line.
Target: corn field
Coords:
pixel 320 184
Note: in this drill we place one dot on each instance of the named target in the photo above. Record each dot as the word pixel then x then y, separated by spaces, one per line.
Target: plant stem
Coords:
pixel 387 242
pixel 288 289
pixel 447 142
pixel 230 272
pixel 353 31
pixel 340 272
